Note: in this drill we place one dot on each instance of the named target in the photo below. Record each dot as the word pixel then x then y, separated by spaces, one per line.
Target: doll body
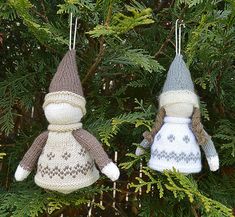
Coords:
pixel 66 154
pixel 174 144
pixel 65 164
pixel 177 134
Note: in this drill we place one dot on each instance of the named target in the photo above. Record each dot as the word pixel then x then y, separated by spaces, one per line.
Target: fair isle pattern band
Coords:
pixel 178 96
pixel 66 171
pixel 176 157
pixel 66 97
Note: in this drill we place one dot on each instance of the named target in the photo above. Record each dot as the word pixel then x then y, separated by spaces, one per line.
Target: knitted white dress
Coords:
pixel 64 165
pixel 175 146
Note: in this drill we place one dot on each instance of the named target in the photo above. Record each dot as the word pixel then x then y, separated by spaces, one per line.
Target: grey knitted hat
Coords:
pixel 178 86
pixel 66 85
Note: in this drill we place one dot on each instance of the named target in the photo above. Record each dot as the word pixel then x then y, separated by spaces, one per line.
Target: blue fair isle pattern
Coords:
pixel 177 157
pixel 186 139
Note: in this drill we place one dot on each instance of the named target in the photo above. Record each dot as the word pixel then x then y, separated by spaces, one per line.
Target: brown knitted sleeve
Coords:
pixel 91 144
pixel 32 155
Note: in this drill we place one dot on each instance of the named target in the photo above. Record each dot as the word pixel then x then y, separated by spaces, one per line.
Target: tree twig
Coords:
pixel 159 52
pixel 44 11
pixel 194 211
pixel 168 39
pixel 91 71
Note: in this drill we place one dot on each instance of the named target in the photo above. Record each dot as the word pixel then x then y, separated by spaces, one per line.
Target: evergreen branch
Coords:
pixel 91 71
pixel 2 155
pixel 170 34
pixel 121 23
pixel 165 43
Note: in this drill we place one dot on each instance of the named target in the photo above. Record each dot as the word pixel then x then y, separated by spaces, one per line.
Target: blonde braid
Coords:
pixel 197 127
pixel 157 126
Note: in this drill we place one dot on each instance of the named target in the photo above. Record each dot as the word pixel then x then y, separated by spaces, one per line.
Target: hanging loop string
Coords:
pixel 178 36
pixel 70 32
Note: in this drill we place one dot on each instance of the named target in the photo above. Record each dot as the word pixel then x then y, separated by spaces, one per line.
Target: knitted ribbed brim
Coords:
pixel 66 85
pixel 178 96
pixel 66 97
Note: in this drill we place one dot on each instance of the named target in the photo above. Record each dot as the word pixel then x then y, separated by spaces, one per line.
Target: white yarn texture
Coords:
pixel 66 97
pixel 178 96
pixel 64 165
pixel 175 146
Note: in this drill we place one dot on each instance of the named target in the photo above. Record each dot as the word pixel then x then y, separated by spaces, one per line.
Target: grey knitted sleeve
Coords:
pixel 92 145
pixel 31 156
pixel 145 143
pixel 209 148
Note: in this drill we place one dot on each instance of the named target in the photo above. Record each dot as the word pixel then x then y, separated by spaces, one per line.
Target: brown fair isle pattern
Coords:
pixel 50 155
pixel 66 155
pixel 82 152
pixel 66 171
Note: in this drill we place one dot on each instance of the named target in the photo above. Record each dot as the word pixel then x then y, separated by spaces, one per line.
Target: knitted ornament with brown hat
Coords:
pixel 66 154
pixel 178 132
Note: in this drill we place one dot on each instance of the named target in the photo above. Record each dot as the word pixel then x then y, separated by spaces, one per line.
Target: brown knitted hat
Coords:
pixel 66 85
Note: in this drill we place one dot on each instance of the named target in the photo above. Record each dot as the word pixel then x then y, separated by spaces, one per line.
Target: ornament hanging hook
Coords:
pixel 178 35
pixel 70 32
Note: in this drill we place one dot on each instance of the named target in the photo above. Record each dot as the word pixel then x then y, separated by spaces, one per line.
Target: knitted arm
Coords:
pixel 92 145
pixel 34 152
pixel 144 144
pixel 211 154
pixel 27 163
pixel 97 152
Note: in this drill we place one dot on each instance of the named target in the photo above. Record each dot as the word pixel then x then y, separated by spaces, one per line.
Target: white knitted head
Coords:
pixel 181 110
pixel 62 113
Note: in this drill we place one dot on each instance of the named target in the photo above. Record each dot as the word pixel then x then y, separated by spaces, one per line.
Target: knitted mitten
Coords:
pixel 144 145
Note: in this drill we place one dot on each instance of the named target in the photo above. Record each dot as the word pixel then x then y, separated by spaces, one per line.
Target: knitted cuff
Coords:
pixel 145 143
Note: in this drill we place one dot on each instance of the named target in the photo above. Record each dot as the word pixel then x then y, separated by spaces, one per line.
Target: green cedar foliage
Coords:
pixel 124 49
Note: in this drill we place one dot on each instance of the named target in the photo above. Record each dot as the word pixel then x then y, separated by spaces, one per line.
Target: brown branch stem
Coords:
pixel 168 39
pixel 159 52
pixel 91 71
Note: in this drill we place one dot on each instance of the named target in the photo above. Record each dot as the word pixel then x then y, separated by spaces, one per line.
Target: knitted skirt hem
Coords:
pixel 182 169
pixel 66 188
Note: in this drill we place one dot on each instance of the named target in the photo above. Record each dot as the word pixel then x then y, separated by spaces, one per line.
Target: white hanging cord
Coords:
pixel 115 183
pixel 141 176
pixel 75 33
pixel 70 32
pixel 178 36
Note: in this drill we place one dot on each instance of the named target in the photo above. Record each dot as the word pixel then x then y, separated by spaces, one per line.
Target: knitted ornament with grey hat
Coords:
pixel 66 154
pixel 178 132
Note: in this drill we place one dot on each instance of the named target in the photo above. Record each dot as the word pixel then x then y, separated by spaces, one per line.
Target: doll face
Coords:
pixel 183 110
pixel 62 113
